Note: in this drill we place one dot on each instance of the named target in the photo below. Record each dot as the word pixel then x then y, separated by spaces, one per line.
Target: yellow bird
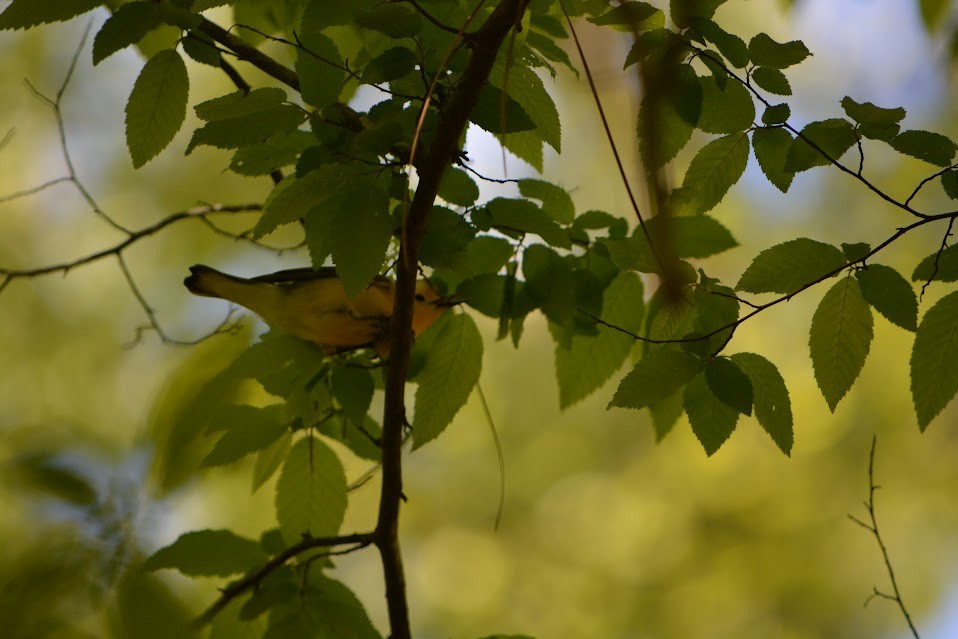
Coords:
pixel 312 305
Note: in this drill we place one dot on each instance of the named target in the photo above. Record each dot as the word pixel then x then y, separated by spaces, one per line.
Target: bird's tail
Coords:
pixel 206 281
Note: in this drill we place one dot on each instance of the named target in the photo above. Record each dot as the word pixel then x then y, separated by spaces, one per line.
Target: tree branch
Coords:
pixel 441 152
pixel 250 581
pixel 873 529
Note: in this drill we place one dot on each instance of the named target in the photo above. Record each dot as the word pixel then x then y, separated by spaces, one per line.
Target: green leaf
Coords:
pixel 550 282
pixel 208 553
pixel 239 104
pixel 832 137
pixel 712 420
pixel 728 110
pixel 771 150
pixel 320 14
pixel 353 388
pixel 766 52
pixel 730 384
pixel 715 307
pixel 278 151
pixel 526 88
pixel 269 460
pixel 933 148
pixel 458 188
pixel 293 198
pixel 665 414
pixel 392 64
pixel 489 115
pixel 524 216
pixel 589 362
pixel 773 408
pixel 695 236
pixel 940 265
pixel 332 611
pixel 788 267
pixel 684 12
pixel 157 106
pixel 631 16
pixel 321 69
pixel 772 80
pixel 128 25
pixel 555 200
pixel 890 294
pixel 360 230
pixel 949 182
pixel 655 377
pixel 310 492
pixel 731 46
pixel 856 252
pixel 22 14
pixel 839 339
pixel 670 130
pixel 714 169
pixel 868 113
pixel 934 376
pixel 393 20
pixel 453 364
pixel 234 133
pixel 249 429
pixel 202 48
pixel 445 240
pixel 776 114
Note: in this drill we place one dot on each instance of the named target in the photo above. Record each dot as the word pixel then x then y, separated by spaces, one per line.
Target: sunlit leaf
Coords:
pixel 208 553
pixel 310 492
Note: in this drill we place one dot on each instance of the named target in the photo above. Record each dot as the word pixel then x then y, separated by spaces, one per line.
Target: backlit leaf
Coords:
pixel 772 80
pixel 839 340
pixel 773 408
pixel 555 200
pixel 157 106
pixel 890 294
pixel 713 171
pixel 21 14
pixel 787 267
pixel 310 492
pixel 771 150
pixel 128 25
pixel 727 110
pixel 939 266
pixel 730 384
pixel 208 553
pixel 933 148
pixel 712 420
pixel 934 375
pixel 831 137
pixel 655 377
pixel 766 52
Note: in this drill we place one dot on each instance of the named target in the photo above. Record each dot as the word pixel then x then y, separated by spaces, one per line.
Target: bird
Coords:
pixel 312 304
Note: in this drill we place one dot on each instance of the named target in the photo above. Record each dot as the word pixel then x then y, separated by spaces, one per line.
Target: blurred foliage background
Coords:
pixel 605 532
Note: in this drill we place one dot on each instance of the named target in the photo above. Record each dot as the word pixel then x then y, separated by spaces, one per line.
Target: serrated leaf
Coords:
pixel 489 114
pixel 292 200
pixel 949 182
pixel 360 229
pixel 934 375
pixel 234 133
pixel 856 251
pixel 22 14
pixel 524 216
pixel 269 460
pixel 684 12
pixel 832 137
pixel 310 492
pixel 670 131
pixel 890 294
pixel 839 340
pixel 631 16
pixel 655 377
pixel 772 80
pixel 238 104
pixel 728 110
pixel 208 553
pixel 933 148
pixel 555 200
pixel 590 361
pixel 712 420
pixel 320 68
pixel 730 384
pixel 458 188
pixel 765 52
pixel 128 25
pixel 445 240
pixel 278 151
pixel 665 414
pixel 393 20
pixel 202 48
pixel 771 147
pixel 714 170
pixel 773 408
pixel 329 610
pixel 789 266
pixel 776 114
pixel 526 88
pixel 731 46
pixel 868 113
pixel 157 106
pixel 353 388
pixel 941 266
pixel 392 64
pixel 453 364
pixel 549 282
pixel 248 430
pixel 695 236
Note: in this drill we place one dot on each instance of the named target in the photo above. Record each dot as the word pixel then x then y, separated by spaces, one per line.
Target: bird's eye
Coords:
pixel 420 297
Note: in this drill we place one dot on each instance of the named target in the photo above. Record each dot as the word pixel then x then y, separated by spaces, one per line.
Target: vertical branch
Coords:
pixel 453 120
pixel 873 529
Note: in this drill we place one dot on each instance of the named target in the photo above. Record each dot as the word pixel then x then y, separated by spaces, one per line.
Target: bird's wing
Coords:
pixel 297 275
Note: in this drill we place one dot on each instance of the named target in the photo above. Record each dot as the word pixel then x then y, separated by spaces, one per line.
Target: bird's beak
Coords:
pixel 449 301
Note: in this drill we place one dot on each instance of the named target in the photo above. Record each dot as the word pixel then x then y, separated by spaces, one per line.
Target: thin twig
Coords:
pixel 250 581
pixel 873 529
pixel 941 249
